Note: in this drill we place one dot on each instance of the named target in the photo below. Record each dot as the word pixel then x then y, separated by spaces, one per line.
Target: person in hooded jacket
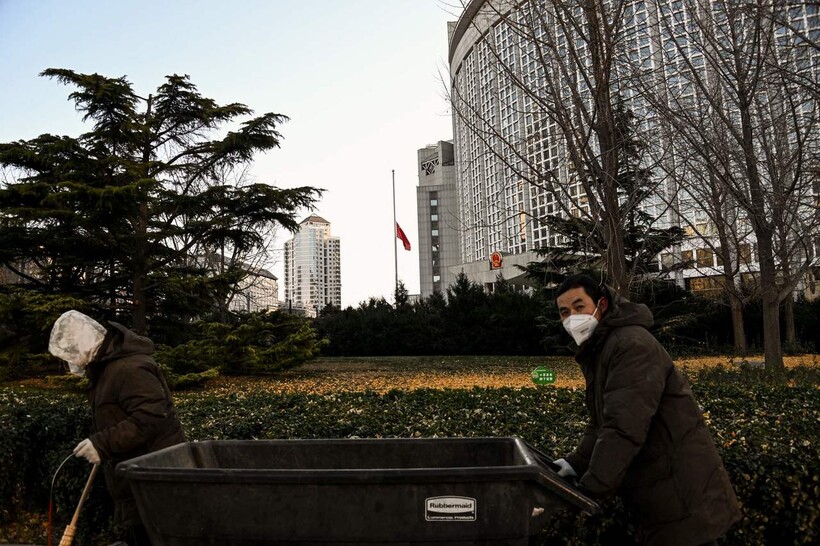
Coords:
pixel 646 440
pixel 132 411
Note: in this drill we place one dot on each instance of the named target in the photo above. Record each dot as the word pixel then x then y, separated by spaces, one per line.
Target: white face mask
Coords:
pixel 580 327
pixel 76 338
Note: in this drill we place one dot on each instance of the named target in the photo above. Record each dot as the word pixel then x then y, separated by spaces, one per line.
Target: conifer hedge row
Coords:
pixel 766 434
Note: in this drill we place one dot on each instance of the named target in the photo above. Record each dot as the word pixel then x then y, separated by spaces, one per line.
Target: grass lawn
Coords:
pixel 382 374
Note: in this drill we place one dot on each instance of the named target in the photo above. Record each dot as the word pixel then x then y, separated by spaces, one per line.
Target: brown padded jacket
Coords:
pixel 131 410
pixel 647 440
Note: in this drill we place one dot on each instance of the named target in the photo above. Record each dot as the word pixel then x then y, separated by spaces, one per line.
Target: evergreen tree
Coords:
pixel 466 317
pixel 135 208
pixel 400 295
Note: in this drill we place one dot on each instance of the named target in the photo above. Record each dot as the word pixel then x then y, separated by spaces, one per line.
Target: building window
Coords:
pixel 433 202
pixel 705 257
pixel 434 217
pixel 707 286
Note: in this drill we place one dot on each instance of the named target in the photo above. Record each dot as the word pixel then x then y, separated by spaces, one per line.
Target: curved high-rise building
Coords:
pixel 510 146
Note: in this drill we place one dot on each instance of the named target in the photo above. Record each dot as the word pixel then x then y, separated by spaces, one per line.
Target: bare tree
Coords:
pixel 719 241
pixel 552 64
pixel 744 110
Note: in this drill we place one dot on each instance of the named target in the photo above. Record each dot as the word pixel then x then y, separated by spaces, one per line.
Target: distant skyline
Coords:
pixel 360 80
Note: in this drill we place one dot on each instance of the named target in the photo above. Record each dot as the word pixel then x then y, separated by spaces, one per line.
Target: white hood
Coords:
pixel 76 338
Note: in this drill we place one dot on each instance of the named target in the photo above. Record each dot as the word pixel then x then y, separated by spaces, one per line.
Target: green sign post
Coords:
pixel 543 376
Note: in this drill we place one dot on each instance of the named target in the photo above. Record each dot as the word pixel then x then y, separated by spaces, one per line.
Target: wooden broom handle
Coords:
pixel 68 534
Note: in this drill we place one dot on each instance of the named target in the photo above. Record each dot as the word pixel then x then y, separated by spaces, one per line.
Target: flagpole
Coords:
pixel 395 234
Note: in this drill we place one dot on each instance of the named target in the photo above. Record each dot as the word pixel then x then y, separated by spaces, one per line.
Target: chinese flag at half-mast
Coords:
pixel 400 234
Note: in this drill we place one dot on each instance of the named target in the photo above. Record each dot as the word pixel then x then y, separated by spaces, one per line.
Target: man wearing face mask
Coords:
pixel 131 408
pixel 646 440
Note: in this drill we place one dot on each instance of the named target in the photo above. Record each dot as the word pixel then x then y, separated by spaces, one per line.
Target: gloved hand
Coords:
pixel 566 470
pixel 86 449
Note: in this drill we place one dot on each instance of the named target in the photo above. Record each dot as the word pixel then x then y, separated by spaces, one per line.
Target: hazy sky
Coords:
pixel 360 80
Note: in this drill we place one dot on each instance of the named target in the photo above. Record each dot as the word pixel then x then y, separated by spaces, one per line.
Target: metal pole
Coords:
pixel 395 235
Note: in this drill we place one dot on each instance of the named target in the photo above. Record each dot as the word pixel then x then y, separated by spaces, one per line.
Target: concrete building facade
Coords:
pixel 500 138
pixel 438 218
pixel 313 268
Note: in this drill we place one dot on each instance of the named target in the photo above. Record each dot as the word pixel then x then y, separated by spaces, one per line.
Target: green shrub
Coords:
pixel 25 323
pixel 37 432
pixel 259 343
pixel 766 433
pixel 189 381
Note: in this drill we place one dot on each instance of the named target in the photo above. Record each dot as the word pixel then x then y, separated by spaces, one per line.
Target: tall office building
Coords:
pixel 438 216
pixel 502 134
pixel 313 268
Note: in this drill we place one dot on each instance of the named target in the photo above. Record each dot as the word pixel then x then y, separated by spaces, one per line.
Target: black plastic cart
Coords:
pixel 464 491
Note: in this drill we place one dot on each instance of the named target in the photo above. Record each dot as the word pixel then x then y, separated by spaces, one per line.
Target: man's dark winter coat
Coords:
pixel 647 440
pixel 131 410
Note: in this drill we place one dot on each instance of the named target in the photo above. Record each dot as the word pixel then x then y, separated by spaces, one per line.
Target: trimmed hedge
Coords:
pixel 766 434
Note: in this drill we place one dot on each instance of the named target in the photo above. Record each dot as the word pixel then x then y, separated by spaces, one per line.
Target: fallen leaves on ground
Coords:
pixel 383 374
pixel 381 382
pixel 323 376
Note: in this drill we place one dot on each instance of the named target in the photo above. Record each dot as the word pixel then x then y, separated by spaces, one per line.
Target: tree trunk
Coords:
pixel 788 304
pixel 763 230
pixel 773 350
pixel 140 272
pixel 732 289
pixel 788 319
pixel 738 329
pixel 138 320
pixel 222 302
pixel 607 135
pixel 616 256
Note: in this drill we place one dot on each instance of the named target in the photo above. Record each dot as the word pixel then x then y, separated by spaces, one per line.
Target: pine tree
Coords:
pixel 127 211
